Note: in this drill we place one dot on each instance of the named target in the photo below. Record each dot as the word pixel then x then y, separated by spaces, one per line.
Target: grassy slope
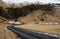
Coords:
pixel 4 5
pixel 36 17
pixel 5 33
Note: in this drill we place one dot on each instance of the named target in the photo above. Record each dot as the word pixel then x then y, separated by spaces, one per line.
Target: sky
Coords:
pixel 32 1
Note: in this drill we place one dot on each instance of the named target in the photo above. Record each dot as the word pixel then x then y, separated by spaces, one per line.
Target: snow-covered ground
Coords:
pixel 13 22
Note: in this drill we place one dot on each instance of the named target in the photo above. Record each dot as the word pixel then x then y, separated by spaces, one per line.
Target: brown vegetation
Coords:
pixel 44 28
pixel 34 12
pixel 5 33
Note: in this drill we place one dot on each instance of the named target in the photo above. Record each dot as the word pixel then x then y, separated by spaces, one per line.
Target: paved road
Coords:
pixel 26 34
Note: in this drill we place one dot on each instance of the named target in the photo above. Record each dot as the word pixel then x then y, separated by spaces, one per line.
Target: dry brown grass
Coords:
pixel 36 17
pixel 45 28
pixel 4 5
pixel 5 33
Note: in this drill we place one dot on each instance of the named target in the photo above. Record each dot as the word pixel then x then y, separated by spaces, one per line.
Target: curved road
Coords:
pixel 26 34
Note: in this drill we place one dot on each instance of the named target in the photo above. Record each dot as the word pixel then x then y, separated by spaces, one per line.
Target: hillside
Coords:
pixel 30 13
pixel 3 20
pixel 36 17
pixel 4 5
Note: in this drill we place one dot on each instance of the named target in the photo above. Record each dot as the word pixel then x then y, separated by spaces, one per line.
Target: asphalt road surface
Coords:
pixel 26 34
